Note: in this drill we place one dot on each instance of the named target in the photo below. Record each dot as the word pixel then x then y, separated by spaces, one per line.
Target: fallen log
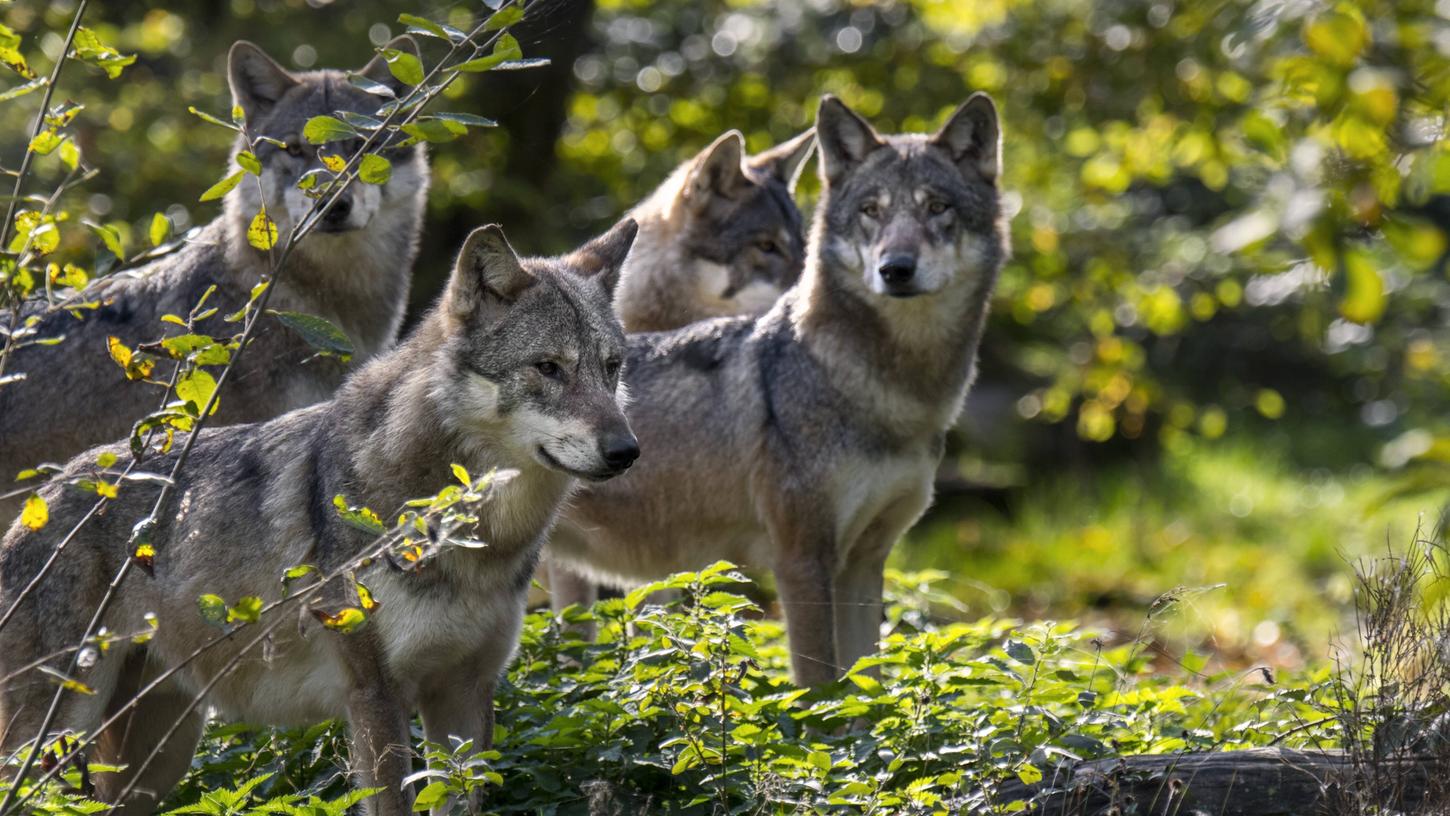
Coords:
pixel 1257 782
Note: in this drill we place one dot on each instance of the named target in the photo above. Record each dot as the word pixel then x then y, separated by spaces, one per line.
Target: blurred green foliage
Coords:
pixel 1223 214
pixel 1228 219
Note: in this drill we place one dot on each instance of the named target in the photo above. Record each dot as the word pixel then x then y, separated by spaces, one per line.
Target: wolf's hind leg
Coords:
pixel 130 741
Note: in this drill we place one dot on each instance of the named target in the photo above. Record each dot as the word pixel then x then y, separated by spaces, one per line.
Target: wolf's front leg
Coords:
pixel 462 708
pixel 381 749
pixel 804 568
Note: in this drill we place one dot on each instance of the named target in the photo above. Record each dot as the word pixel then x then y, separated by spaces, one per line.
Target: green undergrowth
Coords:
pixel 1255 550
pixel 688 709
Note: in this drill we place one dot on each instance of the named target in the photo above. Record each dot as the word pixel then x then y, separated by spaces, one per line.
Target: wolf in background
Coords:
pixel 721 236
pixel 354 270
pixel 806 440
pixel 516 368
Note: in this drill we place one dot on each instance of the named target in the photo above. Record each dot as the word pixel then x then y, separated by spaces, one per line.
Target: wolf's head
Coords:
pixel 277 104
pixel 912 214
pixel 533 350
pixel 722 236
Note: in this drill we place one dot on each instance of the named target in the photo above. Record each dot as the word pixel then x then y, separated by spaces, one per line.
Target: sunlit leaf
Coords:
pixel 35 514
pixel 262 232
pixel 374 169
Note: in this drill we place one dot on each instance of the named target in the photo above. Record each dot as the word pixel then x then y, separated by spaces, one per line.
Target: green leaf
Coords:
pixel 434 130
pixel 522 64
pixel 403 65
pixel 10 54
pixel 195 388
pixel 45 142
pixel 1021 652
pixel 423 25
pixel 262 232
pixel 88 47
pixel 1364 297
pixel 504 18
pixel 324 129
pixel 466 119
pixel 359 517
pixel 213 609
pixel 21 90
pixel 70 154
pixel 160 229
pixel 247 160
pixel 432 795
pixel 245 610
pixel 223 187
pixel 109 236
pixel 375 169
pixel 318 332
pixel 507 48
pixel 206 117
pixel 299 571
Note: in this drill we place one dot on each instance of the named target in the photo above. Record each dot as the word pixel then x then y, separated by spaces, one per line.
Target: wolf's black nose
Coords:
pixel 897 269
pixel 340 211
pixel 619 451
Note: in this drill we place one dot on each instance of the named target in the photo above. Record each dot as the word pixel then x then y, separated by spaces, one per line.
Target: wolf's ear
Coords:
pixel 603 257
pixel 488 275
pixel 257 80
pixel 845 138
pixel 717 171
pixel 973 138
pixel 785 161
pixel 377 67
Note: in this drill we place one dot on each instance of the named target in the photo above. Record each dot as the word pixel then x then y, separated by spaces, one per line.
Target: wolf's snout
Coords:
pixel 897 271
pixel 619 451
pixel 341 211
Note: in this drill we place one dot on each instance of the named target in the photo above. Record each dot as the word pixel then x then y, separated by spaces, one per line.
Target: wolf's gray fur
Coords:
pixel 806 440
pixel 517 367
pixel 721 236
pixel 353 270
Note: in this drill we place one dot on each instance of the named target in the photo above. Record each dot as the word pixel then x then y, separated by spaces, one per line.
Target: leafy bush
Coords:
pixel 686 708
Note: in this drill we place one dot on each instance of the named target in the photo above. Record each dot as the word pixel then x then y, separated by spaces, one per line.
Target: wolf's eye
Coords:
pixel 937 207
pixel 871 209
pixel 767 246
pixel 294 149
pixel 611 368
pixel 548 368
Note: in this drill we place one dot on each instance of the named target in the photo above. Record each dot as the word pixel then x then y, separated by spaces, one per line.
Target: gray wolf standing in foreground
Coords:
pixel 517 367
pixel 721 236
pixel 353 270
pixel 806 440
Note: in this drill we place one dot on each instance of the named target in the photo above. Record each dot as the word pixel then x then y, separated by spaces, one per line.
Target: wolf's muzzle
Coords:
pixel 898 274
pixel 619 451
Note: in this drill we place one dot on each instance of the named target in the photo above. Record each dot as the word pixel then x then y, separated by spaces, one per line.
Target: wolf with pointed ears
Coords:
pixel 721 236
pixel 806 440
pixel 354 270
pixel 516 368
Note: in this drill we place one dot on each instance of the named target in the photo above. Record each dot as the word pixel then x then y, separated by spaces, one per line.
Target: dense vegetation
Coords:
pixel 1214 375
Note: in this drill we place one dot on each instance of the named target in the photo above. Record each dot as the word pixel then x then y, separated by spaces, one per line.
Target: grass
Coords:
pixel 1255 551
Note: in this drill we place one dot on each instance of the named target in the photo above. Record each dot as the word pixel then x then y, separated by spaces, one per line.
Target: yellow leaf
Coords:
pixel 106 490
pixel 334 163
pixel 262 232
pixel 35 514
pixel 347 620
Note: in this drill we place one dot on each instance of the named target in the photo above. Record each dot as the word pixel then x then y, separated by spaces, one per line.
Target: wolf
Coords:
pixel 515 368
pixel 721 236
pixel 354 270
pixel 805 440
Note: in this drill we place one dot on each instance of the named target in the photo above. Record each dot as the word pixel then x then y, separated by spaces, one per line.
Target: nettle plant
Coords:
pixel 687 708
